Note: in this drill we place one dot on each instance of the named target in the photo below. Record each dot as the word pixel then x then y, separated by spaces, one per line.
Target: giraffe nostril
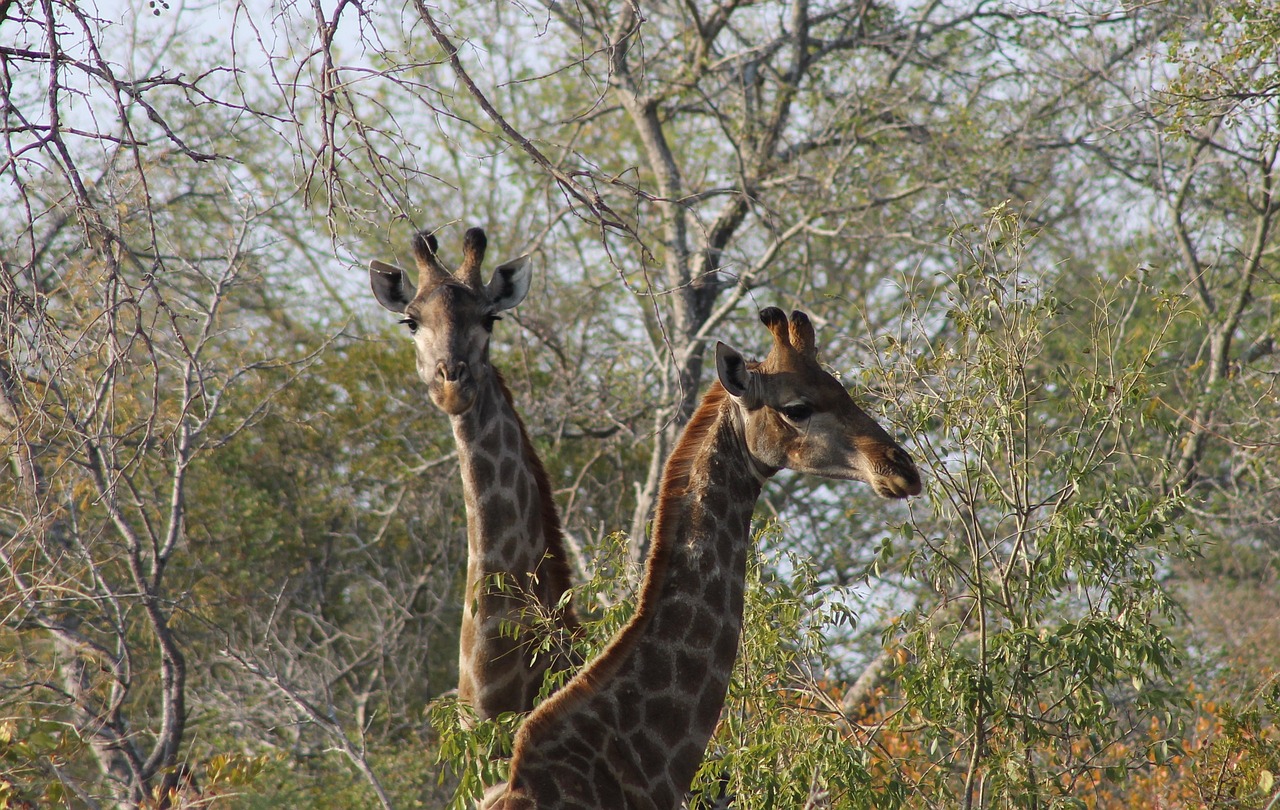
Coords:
pixel 451 372
pixel 903 461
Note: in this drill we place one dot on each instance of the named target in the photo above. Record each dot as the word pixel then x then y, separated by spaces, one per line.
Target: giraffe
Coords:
pixel 516 561
pixel 630 729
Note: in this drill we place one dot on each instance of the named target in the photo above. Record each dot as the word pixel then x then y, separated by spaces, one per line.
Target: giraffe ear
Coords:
pixel 391 285
pixel 734 375
pixel 510 283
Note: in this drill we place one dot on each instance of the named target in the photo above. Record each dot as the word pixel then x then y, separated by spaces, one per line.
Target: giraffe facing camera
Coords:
pixel 516 564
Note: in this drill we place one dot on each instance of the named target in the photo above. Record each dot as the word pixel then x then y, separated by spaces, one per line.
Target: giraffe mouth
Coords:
pixel 895 475
pixel 454 398
pixel 896 483
pixel 896 487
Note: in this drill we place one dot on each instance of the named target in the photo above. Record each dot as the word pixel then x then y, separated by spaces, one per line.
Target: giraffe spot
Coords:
pixel 506 473
pixel 607 790
pixel 558 783
pixel 483 471
pixel 568 756
pixel 733 599
pixel 532 516
pixel 531 687
pixel 602 733
pixel 674 618
pixel 629 711
pixel 714 591
pixel 702 633
pixel 716 503
pixel 726 648
pixel 692 668
pixel 510 434
pixel 685 762
pixel 502 504
pixel 654 668
pixel 662 794
pixel 710 702
pixel 731 556
pixel 606 716
pixel 735 596
pixel 525 498
pixel 667 717
pixel 650 755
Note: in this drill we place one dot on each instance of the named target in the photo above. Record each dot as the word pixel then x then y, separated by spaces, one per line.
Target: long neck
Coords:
pixel 515 556
pixel 660 685
pixel 689 620
pixel 502 481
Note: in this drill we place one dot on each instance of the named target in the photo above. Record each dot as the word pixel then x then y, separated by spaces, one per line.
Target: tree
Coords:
pixel 135 298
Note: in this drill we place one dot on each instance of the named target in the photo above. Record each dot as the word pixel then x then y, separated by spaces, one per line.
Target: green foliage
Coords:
pixel 1047 640
pixel 782 741
pixel 31 751
pixel 1226 67
pixel 1239 767
pixel 284 779
pixel 475 752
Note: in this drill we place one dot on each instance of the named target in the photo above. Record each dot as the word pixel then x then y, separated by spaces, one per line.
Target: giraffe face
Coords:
pixel 796 415
pixel 451 317
pixel 451 327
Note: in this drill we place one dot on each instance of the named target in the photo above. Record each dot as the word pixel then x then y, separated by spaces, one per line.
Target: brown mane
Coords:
pixel 675 476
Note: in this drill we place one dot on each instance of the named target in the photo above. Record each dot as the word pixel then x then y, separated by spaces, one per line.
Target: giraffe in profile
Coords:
pixel 516 561
pixel 629 731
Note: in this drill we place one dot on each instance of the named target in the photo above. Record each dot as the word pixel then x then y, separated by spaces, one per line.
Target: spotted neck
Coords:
pixel 629 731
pixel 516 561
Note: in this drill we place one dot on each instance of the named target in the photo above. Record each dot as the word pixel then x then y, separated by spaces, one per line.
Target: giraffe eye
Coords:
pixel 797 412
pixel 412 324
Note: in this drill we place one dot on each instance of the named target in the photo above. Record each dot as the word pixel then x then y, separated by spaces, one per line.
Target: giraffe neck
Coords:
pixel 515 557
pixel 649 704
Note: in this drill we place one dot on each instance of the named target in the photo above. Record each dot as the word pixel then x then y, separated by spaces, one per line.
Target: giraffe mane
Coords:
pixel 675 476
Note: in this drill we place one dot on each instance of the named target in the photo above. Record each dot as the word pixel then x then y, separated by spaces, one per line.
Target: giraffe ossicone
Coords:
pixel 629 731
pixel 517 568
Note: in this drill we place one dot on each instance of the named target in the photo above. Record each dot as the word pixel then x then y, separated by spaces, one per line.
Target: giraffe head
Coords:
pixel 796 415
pixel 451 316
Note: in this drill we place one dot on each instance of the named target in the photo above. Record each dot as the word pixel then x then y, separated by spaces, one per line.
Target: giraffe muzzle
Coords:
pixel 453 389
pixel 897 476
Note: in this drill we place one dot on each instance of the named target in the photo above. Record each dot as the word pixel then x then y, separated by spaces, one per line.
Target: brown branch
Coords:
pixel 591 199
pixel 321 716
pixel 1230 314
